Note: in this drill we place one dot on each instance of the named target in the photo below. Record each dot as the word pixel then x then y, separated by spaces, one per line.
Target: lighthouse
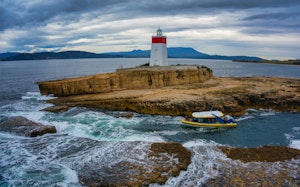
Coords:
pixel 159 56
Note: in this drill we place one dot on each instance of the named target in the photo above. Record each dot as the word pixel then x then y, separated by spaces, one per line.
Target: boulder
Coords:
pixel 56 109
pixel 22 126
pixel 163 160
pixel 124 115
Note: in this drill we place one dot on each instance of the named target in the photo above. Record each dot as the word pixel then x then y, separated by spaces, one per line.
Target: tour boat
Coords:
pixel 209 119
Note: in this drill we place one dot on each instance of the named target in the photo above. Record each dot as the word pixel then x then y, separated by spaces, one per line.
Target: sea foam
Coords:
pixel 295 144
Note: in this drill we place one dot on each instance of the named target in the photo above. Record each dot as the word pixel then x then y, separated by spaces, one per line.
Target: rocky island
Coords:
pixel 180 90
pixel 174 90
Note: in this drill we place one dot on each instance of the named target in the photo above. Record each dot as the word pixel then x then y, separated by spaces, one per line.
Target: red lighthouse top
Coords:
pixel 159 38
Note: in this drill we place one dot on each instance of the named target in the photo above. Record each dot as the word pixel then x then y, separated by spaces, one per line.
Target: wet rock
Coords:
pixel 162 161
pixel 24 127
pixel 262 154
pixel 269 166
pixel 265 174
pixel 56 109
pixel 124 115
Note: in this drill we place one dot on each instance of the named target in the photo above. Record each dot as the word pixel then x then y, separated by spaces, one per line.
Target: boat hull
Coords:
pixel 207 125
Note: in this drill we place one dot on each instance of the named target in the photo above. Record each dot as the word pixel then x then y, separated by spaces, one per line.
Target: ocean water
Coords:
pixel 94 136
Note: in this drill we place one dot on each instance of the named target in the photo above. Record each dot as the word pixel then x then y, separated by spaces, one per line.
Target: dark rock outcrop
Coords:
pixel 56 109
pixel 24 127
pixel 269 166
pixel 124 115
pixel 162 161
pixel 262 154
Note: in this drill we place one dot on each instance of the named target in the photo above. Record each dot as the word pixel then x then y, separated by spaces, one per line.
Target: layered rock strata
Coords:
pixel 126 79
pixel 230 95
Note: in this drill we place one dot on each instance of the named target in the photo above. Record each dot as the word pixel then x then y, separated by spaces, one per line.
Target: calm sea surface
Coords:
pixel 22 165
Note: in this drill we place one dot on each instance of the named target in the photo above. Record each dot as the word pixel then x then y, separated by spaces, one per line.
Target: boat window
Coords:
pixel 209 120
pixel 204 120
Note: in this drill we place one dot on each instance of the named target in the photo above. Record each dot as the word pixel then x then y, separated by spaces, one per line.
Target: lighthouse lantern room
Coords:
pixel 159 56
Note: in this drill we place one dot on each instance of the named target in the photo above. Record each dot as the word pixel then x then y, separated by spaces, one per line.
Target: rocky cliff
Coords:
pixel 231 95
pixel 125 79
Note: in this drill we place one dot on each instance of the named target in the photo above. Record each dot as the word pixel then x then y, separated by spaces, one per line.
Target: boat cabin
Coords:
pixel 206 117
pixel 209 119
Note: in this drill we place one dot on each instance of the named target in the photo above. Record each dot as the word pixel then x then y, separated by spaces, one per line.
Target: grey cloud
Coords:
pixel 276 16
pixel 21 13
pixel 280 20
pixel 214 5
pixel 56 23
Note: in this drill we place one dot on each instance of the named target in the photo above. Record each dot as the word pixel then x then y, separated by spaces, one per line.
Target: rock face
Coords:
pixel 230 95
pixel 24 127
pixel 125 79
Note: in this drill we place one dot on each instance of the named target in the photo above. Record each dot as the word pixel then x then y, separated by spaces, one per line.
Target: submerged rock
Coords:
pixel 24 127
pixel 56 109
pixel 124 115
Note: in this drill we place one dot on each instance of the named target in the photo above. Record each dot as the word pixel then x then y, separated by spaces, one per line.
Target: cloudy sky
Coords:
pixel 264 28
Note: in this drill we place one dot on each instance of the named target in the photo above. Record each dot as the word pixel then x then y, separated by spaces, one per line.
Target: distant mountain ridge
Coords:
pixel 9 54
pixel 55 55
pixel 173 52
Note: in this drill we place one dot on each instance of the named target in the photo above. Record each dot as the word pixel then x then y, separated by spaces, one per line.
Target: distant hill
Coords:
pixel 185 52
pixel 58 55
pixel 132 54
pixel 182 52
pixel 6 55
pixel 235 58
pixel 173 52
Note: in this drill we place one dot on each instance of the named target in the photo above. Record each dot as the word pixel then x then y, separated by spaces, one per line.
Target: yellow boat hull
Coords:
pixel 207 125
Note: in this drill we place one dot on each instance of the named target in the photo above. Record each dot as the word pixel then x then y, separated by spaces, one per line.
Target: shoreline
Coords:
pixel 231 95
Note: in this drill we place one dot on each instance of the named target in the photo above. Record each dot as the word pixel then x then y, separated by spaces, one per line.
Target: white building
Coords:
pixel 159 54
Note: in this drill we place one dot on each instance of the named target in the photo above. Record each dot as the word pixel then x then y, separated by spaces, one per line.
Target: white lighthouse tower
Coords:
pixel 159 56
